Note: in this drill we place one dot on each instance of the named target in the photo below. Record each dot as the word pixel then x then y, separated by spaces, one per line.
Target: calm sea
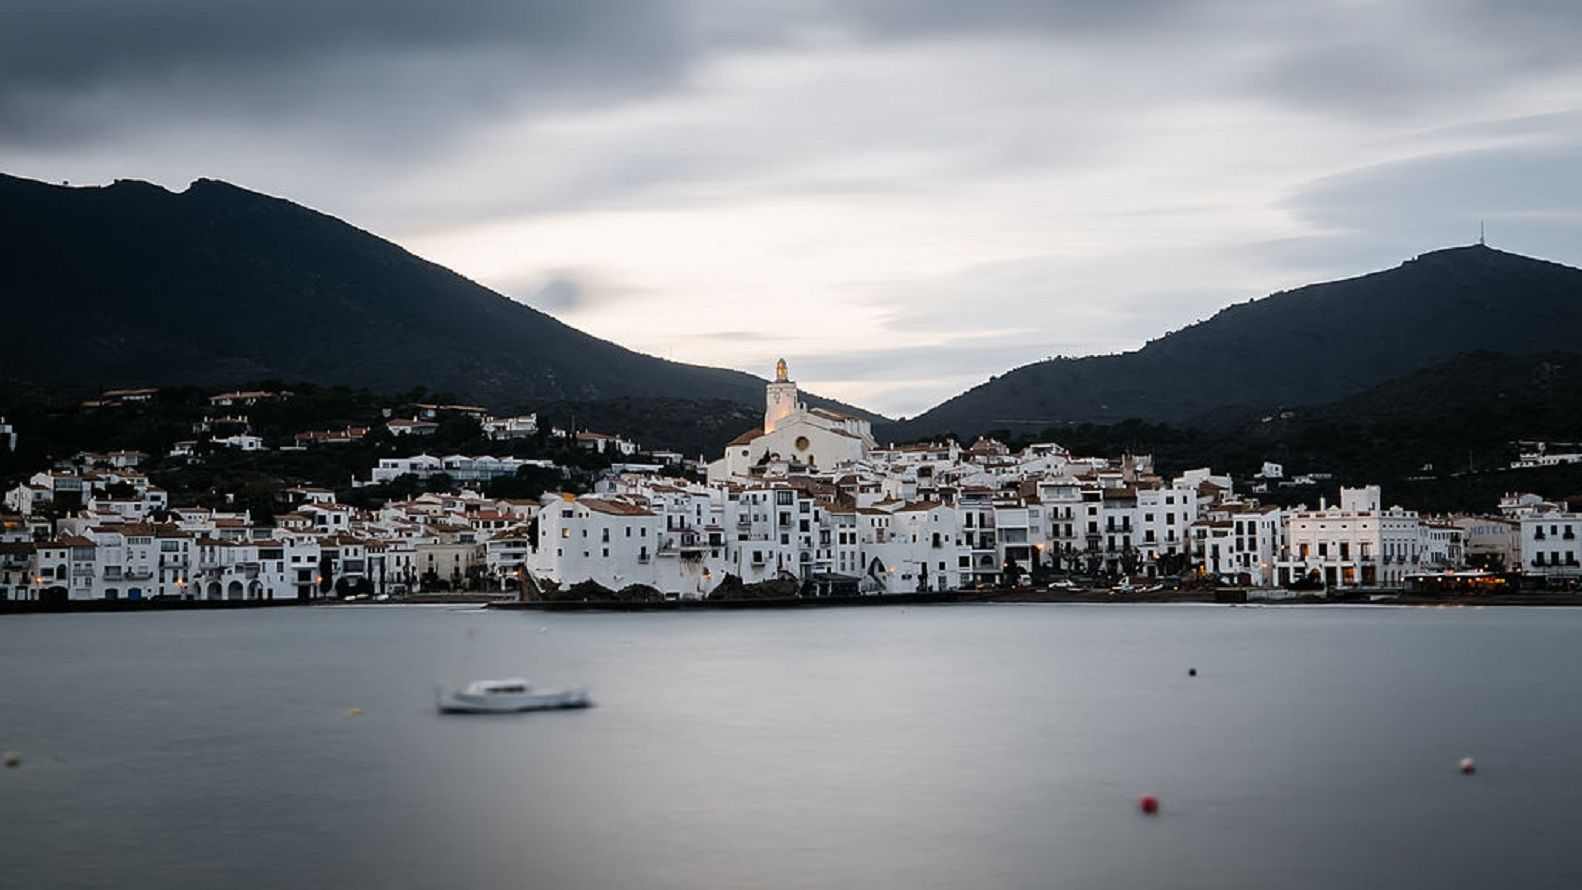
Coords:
pixel 950 747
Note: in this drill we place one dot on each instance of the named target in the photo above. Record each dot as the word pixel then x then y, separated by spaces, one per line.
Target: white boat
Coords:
pixel 507 697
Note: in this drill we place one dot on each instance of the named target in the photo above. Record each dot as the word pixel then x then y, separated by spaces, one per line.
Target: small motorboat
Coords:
pixel 507 697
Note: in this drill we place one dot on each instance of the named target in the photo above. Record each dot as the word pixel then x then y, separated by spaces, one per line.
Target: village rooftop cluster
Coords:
pixel 808 497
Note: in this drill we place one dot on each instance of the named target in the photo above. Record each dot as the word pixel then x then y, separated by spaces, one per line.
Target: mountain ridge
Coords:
pixel 215 284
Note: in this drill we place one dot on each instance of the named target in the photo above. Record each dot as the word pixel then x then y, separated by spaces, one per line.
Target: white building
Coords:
pixel 505 428
pixel 402 426
pixel 608 541
pixel 604 443
pixel 241 442
pixel 1356 544
pixel 1492 541
pixel 1240 543
pixel 794 433
pixel 915 547
pixel 1549 545
pixel 1444 545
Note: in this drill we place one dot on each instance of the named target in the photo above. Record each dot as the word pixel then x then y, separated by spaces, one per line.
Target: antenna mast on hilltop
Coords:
pixel 1481 242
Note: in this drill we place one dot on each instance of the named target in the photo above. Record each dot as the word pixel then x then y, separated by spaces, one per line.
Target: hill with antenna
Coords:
pixel 1318 343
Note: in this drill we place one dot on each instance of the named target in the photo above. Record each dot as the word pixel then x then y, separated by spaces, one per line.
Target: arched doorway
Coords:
pixel 347 585
pixel 255 590
pixel 134 593
pixel 214 590
pixel 233 591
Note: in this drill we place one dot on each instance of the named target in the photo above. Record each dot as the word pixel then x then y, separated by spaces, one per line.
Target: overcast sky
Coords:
pixel 901 198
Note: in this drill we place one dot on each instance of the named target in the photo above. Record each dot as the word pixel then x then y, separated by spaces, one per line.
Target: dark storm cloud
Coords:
pixel 393 76
pixel 252 57
pixel 67 42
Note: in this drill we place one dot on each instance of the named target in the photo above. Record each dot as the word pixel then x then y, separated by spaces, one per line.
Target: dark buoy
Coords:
pixel 1468 767
pixel 12 759
pixel 1191 672
pixel 1148 804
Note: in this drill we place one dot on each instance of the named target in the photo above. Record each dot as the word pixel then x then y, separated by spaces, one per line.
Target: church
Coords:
pixel 815 438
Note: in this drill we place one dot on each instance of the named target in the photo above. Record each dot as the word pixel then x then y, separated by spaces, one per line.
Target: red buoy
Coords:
pixel 1148 804
pixel 1468 767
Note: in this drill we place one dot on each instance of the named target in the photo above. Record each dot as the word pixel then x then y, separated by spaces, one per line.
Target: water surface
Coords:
pixel 950 747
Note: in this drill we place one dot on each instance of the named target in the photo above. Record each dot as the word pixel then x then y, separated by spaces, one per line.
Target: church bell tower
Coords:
pixel 780 398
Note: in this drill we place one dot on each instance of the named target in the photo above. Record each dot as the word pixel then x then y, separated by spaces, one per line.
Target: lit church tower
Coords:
pixel 780 398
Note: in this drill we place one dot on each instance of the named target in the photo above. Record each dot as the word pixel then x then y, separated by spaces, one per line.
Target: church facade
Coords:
pixel 794 434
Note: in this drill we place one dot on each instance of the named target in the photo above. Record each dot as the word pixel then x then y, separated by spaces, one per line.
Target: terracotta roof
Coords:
pixel 613 508
pixel 745 438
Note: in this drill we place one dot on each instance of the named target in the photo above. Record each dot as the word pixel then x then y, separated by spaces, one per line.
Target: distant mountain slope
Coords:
pixel 132 284
pixel 1499 394
pixel 1439 438
pixel 1315 344
pixel 1460 413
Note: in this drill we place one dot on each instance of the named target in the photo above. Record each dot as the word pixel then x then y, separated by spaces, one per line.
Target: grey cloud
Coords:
pixel 565 292
pixel 557 295
pixel 1531 196
pixel 736 336
pixel 267 60
pixel 1352 75
pixel 80 41
pixel 906 17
